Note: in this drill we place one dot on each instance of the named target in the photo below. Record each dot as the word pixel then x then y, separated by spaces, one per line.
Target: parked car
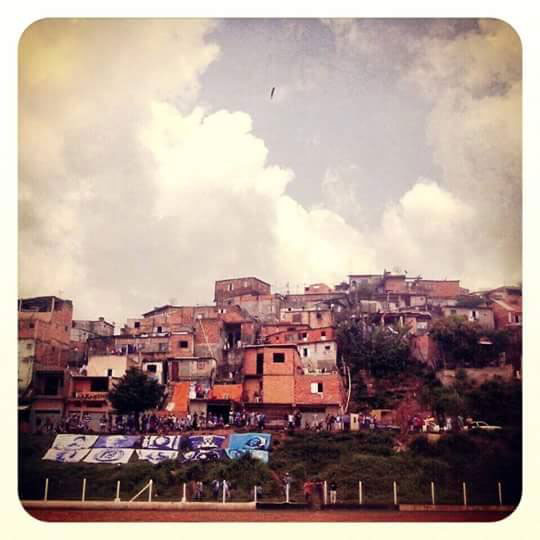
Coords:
pixel 480 424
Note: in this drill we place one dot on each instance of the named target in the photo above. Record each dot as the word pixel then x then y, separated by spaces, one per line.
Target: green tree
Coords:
pixel 135 393
pixel 457 339
pixel 380 351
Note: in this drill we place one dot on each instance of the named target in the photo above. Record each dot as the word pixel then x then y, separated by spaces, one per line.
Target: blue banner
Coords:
pixel 118 441
pixel 109 455
pixel 206 442
pixel 156 456
pixel 262 455
pixel 204 455
pixel 250 441
pixel 161 442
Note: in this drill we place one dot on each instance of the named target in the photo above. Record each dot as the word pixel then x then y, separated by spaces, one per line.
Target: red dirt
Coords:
pixel 263 515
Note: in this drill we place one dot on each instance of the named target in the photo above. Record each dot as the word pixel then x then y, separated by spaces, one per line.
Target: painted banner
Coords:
pixel 118 441
pixel 65 456
pixel 161 442
pixel 250 441
pixel 262 455
pixel 73 442
pixel 109 455
pixel 206 442
pixel 204 455
pixel 156 456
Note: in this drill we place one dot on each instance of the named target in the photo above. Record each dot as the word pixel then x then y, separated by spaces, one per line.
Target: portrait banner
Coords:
pixel 65 456
pixel 250 441
pixel 161 442
pixel 118 441
pixel 73 442
pixel 109 455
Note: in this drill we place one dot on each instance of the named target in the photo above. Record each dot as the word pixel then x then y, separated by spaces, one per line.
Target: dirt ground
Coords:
pixel 263 516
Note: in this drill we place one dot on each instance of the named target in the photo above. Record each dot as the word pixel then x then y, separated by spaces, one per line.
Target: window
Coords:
pixel 297 317
pixel 183 344
pixel 162 347
pixel 278 358
pixel 474 315
pixel 152 368
pixel 159 329
pixel 99 385
pixel 28 346
pixel 319 316
pixel 303 335
pixel 137 324
pixel 260 363
pixel 327 347
pixel 323 333
pixel 109 373
pixel 230 287
pixel 31 325
pixel 316 388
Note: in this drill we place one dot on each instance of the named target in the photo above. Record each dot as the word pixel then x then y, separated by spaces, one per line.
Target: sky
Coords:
pixel 153 159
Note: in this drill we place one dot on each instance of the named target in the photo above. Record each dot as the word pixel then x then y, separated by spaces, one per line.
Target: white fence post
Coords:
pixel 464 494
pixel 360 494
pixel 325 493
pixel 83 494
pixel 117 498
pixel 224 493
pixel 184 492
pixel 45 495
pixel 500 492
pixel 287 492
pixel 433 493
pixel 150 484
pixel 255 494
pixel 395 493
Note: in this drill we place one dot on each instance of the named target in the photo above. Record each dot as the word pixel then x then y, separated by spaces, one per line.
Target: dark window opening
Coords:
pixel 183 344
pixel 320 387
pixel 327 347
pixel 278 358
pixel 159 329
pixel 303 335
pixel 137 324
pixel 151 368
pixel 31 325
pixel 109 373
pixel 51 385
pixel 99 385
pixel 323 334
pixel 305 351
pixel 260 363
pixel 319 316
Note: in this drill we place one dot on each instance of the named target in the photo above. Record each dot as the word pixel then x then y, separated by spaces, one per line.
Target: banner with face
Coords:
pixel 118 441
pixel 73 442
pixel 206 442
pixel 65 456
pixel 250 441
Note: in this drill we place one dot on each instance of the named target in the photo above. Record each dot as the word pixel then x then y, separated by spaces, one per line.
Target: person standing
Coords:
pixel 333 492
pixel 215 489
pixel 308 492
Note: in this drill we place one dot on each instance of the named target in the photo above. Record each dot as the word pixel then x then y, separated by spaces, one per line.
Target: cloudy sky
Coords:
pixel 153 160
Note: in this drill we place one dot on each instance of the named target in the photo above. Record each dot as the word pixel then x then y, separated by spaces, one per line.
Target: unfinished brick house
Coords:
pixel 44 353
pixel 230 288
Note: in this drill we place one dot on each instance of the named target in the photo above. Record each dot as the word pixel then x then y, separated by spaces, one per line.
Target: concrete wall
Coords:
pixel 318 355
pixel 99 365
pixel 278 389
pixel 482 316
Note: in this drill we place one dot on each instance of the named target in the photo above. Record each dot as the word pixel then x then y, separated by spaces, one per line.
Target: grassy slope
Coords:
pixel 480 459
